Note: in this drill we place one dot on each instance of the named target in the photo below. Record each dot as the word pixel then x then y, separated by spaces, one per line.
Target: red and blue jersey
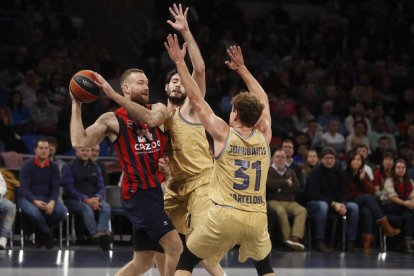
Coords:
pixel 138 148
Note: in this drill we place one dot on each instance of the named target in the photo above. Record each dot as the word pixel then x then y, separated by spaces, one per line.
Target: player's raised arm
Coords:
pixel 154 117
pixel 214 125
pixel 181 24
pixel 236 63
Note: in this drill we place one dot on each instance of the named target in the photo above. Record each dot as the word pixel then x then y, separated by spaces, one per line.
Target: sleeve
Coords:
pixel 411 196
pixel 3 186
pixel 368 186
pixel 25 181
pixel 100 193
pixel 55 185
pixel 377 178
pixel 69 182
pixel 296 186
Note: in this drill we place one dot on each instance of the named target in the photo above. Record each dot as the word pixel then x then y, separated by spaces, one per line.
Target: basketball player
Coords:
pixel 139 144
pixel 186 194
pixel 237 187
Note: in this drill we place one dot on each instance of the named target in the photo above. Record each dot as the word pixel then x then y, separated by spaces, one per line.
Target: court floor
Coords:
pixel 90 260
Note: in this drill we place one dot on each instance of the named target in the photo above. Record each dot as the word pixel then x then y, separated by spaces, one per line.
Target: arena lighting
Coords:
pixel 382 256
pixel 58 256
pixel 21 252
pixel 66 263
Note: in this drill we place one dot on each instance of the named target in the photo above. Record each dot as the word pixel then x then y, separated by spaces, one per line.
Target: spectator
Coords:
pixel 332 137
pixel 282 186
pixel 378 132
pixel 84 194
pixel 8 136
pixel 28 87
pixel 383 172
pixel 8 213
pixel 95 157
pixel 311 161
pixel 38 194
pixel 359 133
pixel 42 114
pixel 326 117
pixel 20 114
pixel 398 199
pixel 368 167
pixel 404 123
pixel 326 193
pixel 360 191
pixel 314 134
pixel 53 145
pixel 406 153
pixel 288 148
pixel 389 124
pixel 383 146
pixel 357 114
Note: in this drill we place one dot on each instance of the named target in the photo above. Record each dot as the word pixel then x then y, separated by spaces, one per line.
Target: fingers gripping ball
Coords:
pixel 83 87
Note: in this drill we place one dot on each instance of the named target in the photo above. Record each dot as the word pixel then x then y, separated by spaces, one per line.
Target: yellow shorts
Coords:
pixel 186 207
pixel 224 227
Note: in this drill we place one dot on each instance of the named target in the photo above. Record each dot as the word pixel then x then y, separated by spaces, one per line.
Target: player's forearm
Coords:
pixel 196 61
pixel 150 117
pixel 193 91
pixel 252 84
pixel 77 131
pixel 194 52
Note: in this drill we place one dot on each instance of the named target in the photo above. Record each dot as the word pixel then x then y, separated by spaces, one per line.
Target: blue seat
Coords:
pixel 113 197
pixel 105 148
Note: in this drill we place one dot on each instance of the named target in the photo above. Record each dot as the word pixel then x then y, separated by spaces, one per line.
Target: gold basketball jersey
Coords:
pixel 240 172
pixel 187 149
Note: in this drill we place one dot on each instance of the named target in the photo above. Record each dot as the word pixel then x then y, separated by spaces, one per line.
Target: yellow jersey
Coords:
pixel 187 148
pixel 240 172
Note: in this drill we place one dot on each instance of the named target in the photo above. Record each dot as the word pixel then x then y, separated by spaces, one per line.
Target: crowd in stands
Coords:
pixel 343 78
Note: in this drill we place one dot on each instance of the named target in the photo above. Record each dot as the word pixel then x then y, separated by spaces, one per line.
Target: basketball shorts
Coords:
pixel 186 207
pixel 146 212
pixel 224 227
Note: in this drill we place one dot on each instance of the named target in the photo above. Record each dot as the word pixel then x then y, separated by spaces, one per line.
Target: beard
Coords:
pixel 140 100
pixel 176 100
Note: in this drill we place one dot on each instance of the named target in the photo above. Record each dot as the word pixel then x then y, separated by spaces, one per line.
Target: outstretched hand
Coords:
pixel 236 58
pixel 173 48
pixel 180 18
pixel 104 86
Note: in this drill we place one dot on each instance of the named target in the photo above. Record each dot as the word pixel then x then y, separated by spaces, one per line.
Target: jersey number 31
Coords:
pixel 242 173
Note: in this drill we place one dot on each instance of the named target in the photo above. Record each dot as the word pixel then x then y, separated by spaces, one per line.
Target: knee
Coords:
pixel 105 207
pixel 174 245
pixel 187 260
pixel 264 266
pixel 280 211
pixel 352 207
pixel 11 209
pixel 302 211
pixel 321 207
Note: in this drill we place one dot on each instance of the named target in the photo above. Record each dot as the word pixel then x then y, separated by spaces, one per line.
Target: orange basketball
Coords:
pixel 83 88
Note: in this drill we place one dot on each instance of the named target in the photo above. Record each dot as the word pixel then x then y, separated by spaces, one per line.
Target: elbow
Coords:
pixel 78 144
pixel 200 68
pixel 156 121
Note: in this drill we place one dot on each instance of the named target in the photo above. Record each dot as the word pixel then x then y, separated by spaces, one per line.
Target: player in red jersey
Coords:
pixel 139 143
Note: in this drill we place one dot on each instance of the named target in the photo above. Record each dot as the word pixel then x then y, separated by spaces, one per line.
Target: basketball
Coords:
pixel 83 88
